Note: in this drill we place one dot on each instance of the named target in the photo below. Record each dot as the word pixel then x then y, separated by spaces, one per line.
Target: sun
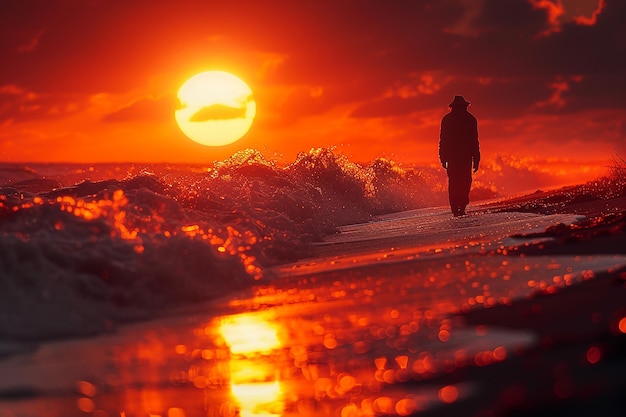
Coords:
pixel 216 108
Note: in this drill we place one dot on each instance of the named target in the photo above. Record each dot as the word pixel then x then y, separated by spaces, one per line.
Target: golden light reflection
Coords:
pixel 259 399
pixel 247 335
pixel 254 379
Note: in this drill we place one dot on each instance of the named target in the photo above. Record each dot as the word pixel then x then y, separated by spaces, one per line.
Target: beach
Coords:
pixel 312 209
pixel 497 313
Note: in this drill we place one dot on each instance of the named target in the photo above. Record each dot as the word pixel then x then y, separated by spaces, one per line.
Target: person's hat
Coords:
pixel 459 101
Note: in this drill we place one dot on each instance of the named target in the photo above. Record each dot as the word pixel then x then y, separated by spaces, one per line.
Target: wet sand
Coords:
pixel 413 313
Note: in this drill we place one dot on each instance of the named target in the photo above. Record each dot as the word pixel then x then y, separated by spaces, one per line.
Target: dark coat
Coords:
pixel 458 139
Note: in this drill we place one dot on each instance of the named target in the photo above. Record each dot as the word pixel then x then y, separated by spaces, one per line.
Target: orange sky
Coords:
pixel 96 81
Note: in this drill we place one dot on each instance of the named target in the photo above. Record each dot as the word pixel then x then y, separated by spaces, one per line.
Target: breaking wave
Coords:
pixel 82 249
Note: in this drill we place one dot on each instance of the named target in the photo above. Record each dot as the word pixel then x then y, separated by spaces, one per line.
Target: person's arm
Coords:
pixel 443 144
pixel 475 147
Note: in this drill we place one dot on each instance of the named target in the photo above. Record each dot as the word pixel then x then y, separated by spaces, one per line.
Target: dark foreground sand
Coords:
pixel 579 367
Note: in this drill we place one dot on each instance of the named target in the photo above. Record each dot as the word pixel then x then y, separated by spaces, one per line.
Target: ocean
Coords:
pixel 321 287
pixel 87 246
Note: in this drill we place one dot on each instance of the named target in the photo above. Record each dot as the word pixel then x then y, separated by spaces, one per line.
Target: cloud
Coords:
pixel 567 11
pixel 500 45
pixel 560 87
pixel 145 109
pixel 218 112
pixel 19 105
pixel 31 43
pixel 592 18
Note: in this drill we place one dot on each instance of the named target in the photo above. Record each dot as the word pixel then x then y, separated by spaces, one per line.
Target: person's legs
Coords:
pixel 459 184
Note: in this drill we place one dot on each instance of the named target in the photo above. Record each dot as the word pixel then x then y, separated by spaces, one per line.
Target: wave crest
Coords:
pixel 81 256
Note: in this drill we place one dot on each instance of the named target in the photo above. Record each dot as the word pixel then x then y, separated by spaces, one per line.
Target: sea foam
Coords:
pixel 82 249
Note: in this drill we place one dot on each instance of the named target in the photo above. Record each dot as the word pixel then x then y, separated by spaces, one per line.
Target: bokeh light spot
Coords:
pixel 85 405
pixel 594 354
pixel 448 394
pixel 406 407
pixel 622 325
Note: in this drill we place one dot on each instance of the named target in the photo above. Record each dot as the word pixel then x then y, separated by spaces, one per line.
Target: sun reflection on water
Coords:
pixel 249 334
pixel 254 381
pixel 259 399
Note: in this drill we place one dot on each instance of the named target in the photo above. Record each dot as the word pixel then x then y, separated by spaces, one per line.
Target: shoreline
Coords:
pixel 581 332
pixel 603 231
pixel 343 316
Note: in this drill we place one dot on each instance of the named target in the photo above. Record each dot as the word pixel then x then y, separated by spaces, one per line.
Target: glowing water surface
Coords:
pixel 370 329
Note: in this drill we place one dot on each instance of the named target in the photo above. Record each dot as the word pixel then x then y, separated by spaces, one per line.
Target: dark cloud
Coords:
pixel 595 91
pixel 511 20
pixel 502 43
pixel 575 50
pixel 327 42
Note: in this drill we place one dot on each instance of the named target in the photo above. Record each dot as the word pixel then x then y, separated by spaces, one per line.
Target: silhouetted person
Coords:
pixel 459 152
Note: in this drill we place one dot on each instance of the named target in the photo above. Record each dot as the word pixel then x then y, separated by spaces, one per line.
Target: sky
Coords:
pixel 96 80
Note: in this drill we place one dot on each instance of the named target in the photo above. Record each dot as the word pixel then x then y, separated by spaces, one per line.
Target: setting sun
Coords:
pixel 215 108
